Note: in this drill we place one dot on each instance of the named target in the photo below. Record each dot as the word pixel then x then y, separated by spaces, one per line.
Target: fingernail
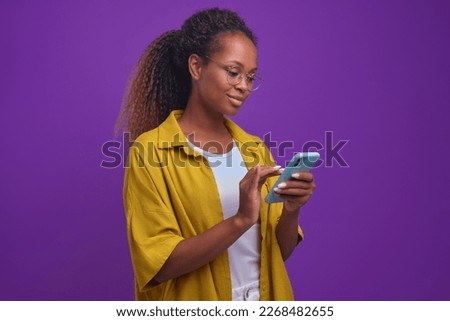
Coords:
pixel 281 185
pixel 296 175
pixel 277 190
pixel 277 167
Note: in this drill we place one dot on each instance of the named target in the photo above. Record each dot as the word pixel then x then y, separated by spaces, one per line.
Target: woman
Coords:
pixel 197 227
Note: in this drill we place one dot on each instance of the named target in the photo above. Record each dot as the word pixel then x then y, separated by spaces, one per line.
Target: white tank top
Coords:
pixel 244 254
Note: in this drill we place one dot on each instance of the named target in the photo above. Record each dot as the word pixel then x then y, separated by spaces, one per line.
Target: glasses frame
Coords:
pixel 239 77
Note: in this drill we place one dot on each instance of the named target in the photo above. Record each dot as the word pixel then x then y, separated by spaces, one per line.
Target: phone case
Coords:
pixel 300 162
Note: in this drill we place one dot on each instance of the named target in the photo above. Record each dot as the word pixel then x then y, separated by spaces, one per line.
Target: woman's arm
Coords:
pixel 296 193
pixel 287 232
pixel 192 253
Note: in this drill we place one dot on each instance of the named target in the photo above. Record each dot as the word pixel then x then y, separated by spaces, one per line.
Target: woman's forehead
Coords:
pixel 237 47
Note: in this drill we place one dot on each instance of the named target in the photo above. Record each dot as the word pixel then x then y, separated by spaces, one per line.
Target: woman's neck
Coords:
pixel 203 128
pixel 200 120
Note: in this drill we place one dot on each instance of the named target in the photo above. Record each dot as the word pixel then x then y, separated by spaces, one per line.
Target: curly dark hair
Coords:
pixel 161 80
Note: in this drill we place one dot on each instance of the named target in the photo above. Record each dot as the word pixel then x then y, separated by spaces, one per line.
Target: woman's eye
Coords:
pixel 232 73
pixel 251 78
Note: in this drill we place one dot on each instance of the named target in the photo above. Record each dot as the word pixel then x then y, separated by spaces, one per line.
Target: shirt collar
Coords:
pixel 171 135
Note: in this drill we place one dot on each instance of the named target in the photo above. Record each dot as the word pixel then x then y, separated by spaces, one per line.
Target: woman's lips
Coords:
pixel 235 101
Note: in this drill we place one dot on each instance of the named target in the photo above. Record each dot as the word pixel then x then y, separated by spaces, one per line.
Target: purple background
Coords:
pixel 375 73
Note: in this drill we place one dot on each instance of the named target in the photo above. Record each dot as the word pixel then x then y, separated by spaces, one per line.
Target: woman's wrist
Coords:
pixel 291 209
pixel 241 222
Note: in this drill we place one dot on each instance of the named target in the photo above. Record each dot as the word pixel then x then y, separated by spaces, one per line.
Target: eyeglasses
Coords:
pixel 234 76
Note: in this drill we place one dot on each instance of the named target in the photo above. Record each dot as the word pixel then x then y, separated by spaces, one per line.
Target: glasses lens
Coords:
pixel 233 77
pixel 253 82
pixel 256 83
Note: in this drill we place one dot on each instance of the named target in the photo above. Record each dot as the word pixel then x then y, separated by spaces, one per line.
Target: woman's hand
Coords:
pixel 250 192
pixel 297 191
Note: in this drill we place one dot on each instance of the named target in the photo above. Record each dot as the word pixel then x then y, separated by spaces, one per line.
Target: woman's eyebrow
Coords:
pixel 241 65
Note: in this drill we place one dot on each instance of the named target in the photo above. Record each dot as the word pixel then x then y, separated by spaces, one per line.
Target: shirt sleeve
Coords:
pixel 153 231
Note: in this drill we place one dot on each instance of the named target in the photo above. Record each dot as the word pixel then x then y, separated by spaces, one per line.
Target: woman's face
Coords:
pixel 238 54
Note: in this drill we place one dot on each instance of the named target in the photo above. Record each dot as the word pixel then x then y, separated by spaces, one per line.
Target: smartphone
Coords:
pixel 300 162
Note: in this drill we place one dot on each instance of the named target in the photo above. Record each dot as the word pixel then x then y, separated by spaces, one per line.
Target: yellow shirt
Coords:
pixel 170 194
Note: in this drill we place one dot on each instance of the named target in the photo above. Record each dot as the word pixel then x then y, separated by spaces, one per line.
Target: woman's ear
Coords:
pixel 195 64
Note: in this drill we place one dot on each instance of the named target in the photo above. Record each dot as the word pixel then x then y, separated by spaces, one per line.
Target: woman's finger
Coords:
pixel 256 176
pixel 291 184
pixel 303 176
pixel 294 191
pixel 267 171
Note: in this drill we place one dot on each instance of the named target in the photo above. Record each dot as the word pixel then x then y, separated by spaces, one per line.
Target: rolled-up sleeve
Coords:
pixel 152 227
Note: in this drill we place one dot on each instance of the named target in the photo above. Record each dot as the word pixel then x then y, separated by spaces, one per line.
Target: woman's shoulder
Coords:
pixel 168 134
pixel 147 139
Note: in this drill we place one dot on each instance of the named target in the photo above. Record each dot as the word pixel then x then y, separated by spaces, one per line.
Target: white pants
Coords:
pixel 248 292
